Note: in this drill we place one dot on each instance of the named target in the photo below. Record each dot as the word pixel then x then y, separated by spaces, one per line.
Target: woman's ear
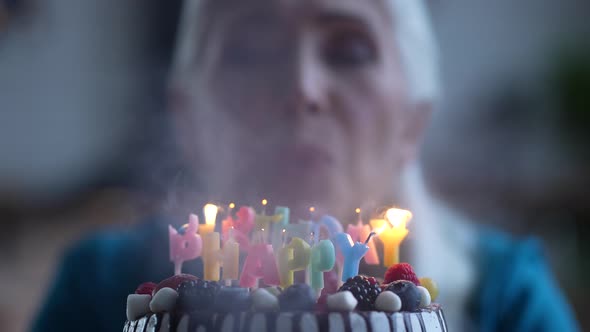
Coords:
pixel 417 120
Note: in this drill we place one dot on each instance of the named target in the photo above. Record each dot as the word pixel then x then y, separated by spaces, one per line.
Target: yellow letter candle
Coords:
pixel 211 256
pixel 393 234
pixel 210 212
pixel 294 257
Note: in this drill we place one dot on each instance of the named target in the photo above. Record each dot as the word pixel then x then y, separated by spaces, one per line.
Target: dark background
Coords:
pixel 82 122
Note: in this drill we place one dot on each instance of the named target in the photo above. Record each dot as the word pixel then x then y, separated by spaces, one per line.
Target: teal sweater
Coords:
pixel 516 291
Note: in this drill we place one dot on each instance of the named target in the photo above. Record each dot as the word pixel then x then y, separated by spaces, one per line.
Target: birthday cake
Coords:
pixel 266 295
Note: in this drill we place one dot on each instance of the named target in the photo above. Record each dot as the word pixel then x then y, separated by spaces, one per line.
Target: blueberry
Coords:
pixel 299 297
pixel 407 292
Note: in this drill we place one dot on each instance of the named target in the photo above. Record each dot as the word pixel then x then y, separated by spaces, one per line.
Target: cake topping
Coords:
pixel 173 282
pixel 146 288
pixel 263 300
pixel 364 289
pixel 196 294
pixel 388 301
pixel 164 300
pixel 401 271
pixel 408 293
pixel 429 284
pixel 424 297
pixel 341 301
pixel 299 297
pixel 138 305
pixel 232 299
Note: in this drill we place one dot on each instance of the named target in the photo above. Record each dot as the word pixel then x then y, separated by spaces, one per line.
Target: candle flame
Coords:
pixel 232 205
pixel 358 210
pixel 210 212
pixel 312 209
pixel 264 202
pixel 398 217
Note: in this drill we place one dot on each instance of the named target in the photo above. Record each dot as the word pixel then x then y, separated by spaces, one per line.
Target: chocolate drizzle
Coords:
pixel 242 321
pixel 346 321
pixel 390 322
pixel 421 321
pixel 408 322
pixel 271 321
pixel 323 322
pixel 297 322
pixel 367 318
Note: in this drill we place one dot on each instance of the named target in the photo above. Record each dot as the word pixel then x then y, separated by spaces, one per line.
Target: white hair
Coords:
pixel 413 32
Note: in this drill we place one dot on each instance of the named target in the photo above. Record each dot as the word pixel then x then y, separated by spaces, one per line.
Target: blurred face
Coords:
pixel 303 102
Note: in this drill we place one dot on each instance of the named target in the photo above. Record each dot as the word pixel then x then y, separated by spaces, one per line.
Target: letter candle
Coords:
pixel 210 212
pixel 361 231
pixel 323 258
pixel 294 257
pixel 352 253
pixel 260 263
pixel 211 244
pixel 393 236
pixel 230 259
pixel 278 230
pixel 186 246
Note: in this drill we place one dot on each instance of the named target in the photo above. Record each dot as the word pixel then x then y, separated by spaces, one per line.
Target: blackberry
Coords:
pixel 364 289
pixel 299 297
pixel 196 295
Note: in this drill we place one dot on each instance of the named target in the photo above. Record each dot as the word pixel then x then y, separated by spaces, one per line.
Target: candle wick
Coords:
pixel 369 237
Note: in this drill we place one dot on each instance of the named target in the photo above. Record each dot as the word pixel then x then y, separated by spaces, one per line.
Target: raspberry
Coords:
pixel 146 288
pixel 196 294
pixel 401 271
pixel 364 289
pixel 174 281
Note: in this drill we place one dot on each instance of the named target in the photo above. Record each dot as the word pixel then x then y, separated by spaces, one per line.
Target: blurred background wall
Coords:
pixel 81 86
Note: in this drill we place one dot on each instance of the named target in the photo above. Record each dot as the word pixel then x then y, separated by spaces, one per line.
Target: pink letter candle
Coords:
pixel 360 232
pixel 260 263
pixel 187 246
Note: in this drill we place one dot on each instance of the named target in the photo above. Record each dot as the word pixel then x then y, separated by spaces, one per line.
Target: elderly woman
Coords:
pixel 317 102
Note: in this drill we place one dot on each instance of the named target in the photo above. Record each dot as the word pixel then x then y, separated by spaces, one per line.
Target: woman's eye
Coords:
pixel 250 54
pixel 346 50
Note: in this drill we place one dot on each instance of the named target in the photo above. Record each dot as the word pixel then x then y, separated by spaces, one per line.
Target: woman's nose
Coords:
pixel 309 89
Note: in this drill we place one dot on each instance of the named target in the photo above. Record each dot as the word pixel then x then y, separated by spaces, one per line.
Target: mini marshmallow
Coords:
pixel 138 305
pixel 164 300
pixel 388 301
pixel 424 297
pixel 263 300
pixel 341 301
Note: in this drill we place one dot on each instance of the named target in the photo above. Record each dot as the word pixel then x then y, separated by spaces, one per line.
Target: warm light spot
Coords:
pixel 358 210
pixel 312 209
pixel 264 202
pixel 210 212
pixel 398 217
pixel 232 205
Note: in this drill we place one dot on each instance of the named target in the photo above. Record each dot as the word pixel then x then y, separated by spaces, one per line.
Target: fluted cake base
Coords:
pixel 425 320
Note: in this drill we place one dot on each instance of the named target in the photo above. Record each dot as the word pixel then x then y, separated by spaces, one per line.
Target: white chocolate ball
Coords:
pixel 424 297
pixel 388 301
pixel 138 305
pixel 341 301
pixel 263 300
pixel 164 300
